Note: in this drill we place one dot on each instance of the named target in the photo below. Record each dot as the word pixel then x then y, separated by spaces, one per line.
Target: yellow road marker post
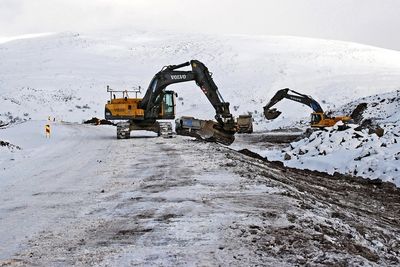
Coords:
pixel 47 130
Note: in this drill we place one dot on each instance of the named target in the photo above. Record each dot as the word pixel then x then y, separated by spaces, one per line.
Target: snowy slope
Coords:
pixel 355 151
pixel 349 152
pixel 381 108
pixel 65 75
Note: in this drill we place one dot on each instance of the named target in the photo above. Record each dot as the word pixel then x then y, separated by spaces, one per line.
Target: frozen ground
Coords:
pixel 84 198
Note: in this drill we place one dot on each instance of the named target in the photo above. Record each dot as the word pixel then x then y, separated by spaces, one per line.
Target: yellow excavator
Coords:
pixel 159 104
pixel 319 119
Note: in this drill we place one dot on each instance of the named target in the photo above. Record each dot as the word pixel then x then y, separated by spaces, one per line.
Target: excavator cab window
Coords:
pixel 169 105
pixel 315 118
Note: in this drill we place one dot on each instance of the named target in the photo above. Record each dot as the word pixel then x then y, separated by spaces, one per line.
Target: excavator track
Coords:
pixel 165 129
pixel 123 131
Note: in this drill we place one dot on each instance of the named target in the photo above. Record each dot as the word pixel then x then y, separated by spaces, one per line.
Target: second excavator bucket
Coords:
pixel 272 113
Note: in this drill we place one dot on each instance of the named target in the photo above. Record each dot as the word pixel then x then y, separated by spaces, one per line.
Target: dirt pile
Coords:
pixel 252 154
pixel 98 121
pixel 356 115
pixel 340 220
pixel 381 108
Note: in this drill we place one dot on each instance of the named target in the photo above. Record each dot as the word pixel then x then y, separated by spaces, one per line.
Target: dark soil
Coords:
pixel 356 115
pixel 9 145
pixel 98 121
pixel 355 209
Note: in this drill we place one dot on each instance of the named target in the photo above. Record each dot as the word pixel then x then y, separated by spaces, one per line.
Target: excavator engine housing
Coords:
pixel 320 120
pixel 129 108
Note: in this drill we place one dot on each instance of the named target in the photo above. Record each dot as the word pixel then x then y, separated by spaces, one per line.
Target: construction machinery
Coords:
pixel 203 129
pixel 189 126
pixel 159 104
pixel 245 123
pixel 319 119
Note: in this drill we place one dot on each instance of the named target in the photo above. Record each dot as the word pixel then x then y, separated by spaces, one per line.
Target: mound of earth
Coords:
pixel 98 121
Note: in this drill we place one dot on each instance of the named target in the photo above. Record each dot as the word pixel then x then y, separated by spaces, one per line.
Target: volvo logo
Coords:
pixel 178 77
pixel 295 98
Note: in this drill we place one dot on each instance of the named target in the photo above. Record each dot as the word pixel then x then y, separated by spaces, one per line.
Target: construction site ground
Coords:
pixel 94 200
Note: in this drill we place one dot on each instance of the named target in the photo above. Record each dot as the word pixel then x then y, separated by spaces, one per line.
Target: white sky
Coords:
pixel 374 22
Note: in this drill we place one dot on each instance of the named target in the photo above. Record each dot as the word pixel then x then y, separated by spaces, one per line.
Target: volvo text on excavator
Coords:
pixel 158 104
pixel 318 118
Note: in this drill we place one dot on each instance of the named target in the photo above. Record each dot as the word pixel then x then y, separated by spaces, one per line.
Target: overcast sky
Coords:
pixel 374 22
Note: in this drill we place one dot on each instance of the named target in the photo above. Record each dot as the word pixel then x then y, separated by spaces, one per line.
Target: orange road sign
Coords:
pixel 48 130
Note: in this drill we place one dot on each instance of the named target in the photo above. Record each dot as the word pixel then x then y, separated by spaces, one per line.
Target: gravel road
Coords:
pixel 180 202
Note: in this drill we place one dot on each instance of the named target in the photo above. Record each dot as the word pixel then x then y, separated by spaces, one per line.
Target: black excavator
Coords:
pixel 158 103
pixel 318 118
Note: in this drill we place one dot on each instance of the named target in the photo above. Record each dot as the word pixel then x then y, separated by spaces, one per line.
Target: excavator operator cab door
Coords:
pixel 168 106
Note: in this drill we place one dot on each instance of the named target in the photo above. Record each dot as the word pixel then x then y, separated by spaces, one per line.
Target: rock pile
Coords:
pixel 356 150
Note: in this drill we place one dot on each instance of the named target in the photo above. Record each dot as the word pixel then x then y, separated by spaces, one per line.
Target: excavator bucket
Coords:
pixel 211 131
pixel 206 130
pixel 271 114
pixel 203 129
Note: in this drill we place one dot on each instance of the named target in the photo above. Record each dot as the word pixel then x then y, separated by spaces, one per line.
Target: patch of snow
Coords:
pixel 23 36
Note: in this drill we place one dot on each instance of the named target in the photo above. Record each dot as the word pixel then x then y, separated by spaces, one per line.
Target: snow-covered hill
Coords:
pixel 65 75
pixel 381 108
pixel 357 150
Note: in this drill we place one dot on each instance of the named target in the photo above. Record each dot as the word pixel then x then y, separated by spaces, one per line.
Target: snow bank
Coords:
pixel 352 151
pixel 381 108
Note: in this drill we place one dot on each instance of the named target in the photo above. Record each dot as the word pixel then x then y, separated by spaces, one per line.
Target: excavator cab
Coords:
pixel 316 117
pixel 168 106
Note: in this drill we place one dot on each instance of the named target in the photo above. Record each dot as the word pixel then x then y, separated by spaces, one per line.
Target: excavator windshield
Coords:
pixel 168 105
pixel 315 118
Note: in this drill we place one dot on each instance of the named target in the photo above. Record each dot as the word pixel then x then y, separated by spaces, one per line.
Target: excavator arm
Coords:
pixel 170 75
pixel 272 113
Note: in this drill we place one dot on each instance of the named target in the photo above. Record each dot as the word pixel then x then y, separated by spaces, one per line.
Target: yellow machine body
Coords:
pixel 320 120
pixel 126 108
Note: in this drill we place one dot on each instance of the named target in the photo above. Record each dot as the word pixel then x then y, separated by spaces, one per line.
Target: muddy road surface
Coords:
pixel 180 202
